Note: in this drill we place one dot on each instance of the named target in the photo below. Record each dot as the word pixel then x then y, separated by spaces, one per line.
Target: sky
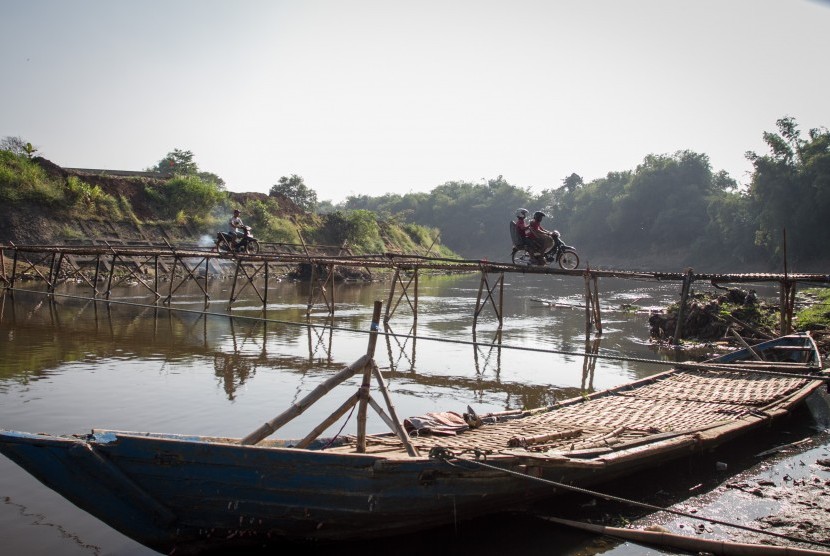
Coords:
pixel 368 97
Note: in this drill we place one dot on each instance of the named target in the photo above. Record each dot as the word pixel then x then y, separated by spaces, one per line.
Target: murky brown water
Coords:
pixel 68 364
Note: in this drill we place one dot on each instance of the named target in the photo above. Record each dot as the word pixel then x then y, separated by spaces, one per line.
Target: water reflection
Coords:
pixel 67 364
pixel 43 333
pixel 483 353
pixel 404 347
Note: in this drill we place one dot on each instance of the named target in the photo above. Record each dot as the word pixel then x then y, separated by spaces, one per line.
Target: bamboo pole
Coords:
pixel 388 314
pixel 363 393
pixel 379 410
pixel 395 424
pixel 264 292
pixel 298 408
pixel 746 345
pixel 690 544
pixel 97 273
pixel 329 421
pixel 684 296
pixel 588 323
pixel 597 313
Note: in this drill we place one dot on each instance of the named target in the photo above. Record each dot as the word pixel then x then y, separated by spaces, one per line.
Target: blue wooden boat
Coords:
pixel 188 493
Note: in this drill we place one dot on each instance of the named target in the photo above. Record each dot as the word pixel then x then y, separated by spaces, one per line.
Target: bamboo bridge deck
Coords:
pixel 105 264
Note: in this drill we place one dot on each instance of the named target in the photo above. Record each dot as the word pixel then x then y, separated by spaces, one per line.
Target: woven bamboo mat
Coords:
pixel 682 401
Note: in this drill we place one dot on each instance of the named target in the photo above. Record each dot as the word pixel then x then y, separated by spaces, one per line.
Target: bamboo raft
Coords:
pixel 674 403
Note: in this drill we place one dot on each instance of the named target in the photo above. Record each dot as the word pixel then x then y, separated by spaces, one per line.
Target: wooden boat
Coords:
pixel 190 493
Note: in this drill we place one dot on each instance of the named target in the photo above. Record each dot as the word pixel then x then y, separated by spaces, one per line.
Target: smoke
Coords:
pixel 206 241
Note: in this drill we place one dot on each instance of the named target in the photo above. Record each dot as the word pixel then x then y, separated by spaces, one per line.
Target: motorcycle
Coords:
pixel 523 252
pixel 228 242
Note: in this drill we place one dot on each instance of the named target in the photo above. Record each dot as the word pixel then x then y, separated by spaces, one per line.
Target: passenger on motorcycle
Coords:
pixel 521 224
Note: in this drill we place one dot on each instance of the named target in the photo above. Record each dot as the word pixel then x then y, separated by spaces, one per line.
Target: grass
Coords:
pixel 817 314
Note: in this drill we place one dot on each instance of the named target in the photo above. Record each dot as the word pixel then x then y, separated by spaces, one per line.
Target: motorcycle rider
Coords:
pixel 543 238
pixel 236 227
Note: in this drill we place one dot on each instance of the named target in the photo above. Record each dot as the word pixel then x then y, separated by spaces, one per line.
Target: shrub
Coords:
pixel 185 194
pixel 24 180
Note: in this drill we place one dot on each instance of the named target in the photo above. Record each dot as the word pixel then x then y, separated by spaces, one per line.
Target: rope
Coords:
pixel 346 422
pixel 444 455
pixel 609 357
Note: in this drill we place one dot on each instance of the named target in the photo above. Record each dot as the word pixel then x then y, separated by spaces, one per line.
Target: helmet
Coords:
pixel 236 211
pixel 521 213
pixel 538 215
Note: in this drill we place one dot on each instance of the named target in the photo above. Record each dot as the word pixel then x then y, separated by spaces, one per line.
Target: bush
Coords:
pixel 266 225
pixel 83 196
pixel 190 195
pixel 23 180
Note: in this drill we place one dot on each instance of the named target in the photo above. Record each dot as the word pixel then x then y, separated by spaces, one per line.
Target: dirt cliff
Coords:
pixel 38 224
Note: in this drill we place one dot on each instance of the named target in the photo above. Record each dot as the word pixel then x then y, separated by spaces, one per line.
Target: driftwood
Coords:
pixel 690 544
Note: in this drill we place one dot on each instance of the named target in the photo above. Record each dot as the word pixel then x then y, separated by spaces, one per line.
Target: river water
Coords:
pixel 69 364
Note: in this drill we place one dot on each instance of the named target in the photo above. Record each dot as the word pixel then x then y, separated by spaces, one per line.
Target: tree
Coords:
pixel 18 146
pixel 572 182
pixel 295 189
pixel 177 162
pixel 790 189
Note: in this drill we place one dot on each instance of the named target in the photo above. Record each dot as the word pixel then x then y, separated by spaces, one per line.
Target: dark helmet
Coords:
pixel 538 215
pixel 236 211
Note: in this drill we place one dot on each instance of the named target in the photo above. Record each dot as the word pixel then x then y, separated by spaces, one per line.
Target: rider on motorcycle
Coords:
pixel 544 238
pixel 237 228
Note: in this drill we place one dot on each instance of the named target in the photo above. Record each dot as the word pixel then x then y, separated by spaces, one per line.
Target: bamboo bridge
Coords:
pixel 163 269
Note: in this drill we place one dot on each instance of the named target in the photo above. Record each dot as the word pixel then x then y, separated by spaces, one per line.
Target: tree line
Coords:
pixel 670 210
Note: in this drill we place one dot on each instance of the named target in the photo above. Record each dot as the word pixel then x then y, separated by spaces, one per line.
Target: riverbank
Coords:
pixel 778 495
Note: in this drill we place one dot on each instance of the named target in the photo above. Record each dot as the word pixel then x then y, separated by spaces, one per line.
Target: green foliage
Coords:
pixel 295 189
pixel 267 226
pixel 178 163
pixel 90 198
pixel 358 227
pixel 817 314
pixel 790 190
pixel 17 145
pixel 21 179
pixel 472 217
pixel 189 195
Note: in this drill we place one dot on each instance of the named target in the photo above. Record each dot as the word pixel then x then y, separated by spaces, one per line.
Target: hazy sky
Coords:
pixel 371 97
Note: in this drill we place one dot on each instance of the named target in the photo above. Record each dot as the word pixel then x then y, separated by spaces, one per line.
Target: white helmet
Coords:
pixel 521 213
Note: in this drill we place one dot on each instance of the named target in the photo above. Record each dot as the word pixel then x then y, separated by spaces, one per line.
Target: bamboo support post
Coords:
pixel 264 292
pixel 588 303
pixel 3 266
pixel 231 299
pixel 787 306
pixel 413 303
pixel 489 297
pixel 156 277
pixel 597 313
pixel 363 393
pixel 112 273
pixel 684 297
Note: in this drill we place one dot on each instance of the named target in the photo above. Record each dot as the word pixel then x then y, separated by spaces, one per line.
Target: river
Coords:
pixel 69 364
